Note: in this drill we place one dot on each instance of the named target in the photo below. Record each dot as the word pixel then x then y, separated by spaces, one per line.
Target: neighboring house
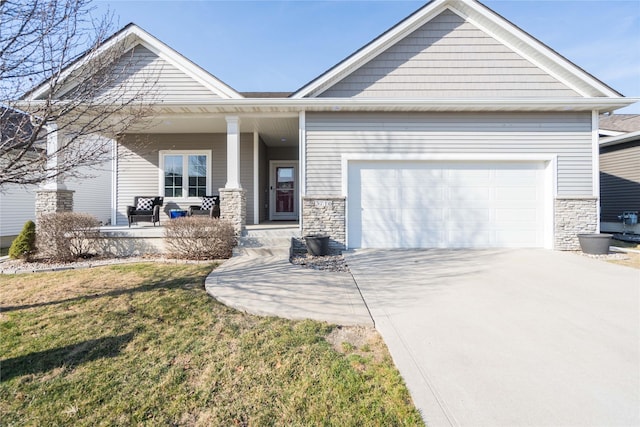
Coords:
pixel 452 129
pixel 619 171
pixel 91 195
pixel 18 203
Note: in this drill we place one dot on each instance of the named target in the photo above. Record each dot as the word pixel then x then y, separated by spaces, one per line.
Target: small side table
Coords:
pixel 177 213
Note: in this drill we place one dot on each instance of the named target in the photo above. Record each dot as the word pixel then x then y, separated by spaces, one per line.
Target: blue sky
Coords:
pixel 282 45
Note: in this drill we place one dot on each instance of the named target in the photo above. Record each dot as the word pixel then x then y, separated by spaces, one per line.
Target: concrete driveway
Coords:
pixel 508 337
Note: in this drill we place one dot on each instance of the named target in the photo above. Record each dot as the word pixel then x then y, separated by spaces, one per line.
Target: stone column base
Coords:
pixel 325 215
pixel 233 207
pixel 52 201
pixel 574 215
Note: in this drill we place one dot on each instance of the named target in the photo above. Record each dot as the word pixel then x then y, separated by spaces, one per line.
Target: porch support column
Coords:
pixel 53 195
pixel 233 152
pixel 233 198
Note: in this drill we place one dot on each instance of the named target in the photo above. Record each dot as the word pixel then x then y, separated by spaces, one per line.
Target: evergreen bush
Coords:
pixel 24 245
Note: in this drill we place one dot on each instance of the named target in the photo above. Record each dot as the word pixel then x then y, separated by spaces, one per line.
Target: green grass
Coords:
pixel 143 344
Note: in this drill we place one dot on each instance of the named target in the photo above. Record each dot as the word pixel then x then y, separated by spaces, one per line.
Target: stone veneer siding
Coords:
pixel 574 215
pixel 326 216
pixel 233 207
pixel 52 201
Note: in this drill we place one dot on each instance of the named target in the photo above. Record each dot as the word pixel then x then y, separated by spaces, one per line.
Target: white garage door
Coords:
pixel 445 204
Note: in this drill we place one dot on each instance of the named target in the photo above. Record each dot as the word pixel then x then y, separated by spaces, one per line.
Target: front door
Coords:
pixel 283 189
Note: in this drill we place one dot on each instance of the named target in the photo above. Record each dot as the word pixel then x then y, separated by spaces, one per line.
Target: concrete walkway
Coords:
pixel 508 337
pixel 272 286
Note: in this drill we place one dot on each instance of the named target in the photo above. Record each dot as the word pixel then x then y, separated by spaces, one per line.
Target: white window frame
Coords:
pixel 185 168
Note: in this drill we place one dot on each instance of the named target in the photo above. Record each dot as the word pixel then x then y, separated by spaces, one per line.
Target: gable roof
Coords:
pixel 132 35
pixel 485 19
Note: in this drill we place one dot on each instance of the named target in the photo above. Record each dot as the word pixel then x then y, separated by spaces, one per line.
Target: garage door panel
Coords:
pixel 423 240
pixel 520 194
pixel 470 177
pixel 422 216
pixel 446 204
pixel 519 216
pixel 516 178
pixel 422 197
pixel 467 194
pixel 468 238
pixel 420 177
pixel 375 240
pixel 478 217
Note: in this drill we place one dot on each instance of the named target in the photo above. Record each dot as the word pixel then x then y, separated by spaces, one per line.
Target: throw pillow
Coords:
pixel 144 204
pixel 208 203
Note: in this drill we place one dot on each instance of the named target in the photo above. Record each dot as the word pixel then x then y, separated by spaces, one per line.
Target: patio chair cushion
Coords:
pixel 144 204
pixel 208 203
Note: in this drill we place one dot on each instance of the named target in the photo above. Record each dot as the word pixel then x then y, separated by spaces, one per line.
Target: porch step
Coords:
pixel 266 241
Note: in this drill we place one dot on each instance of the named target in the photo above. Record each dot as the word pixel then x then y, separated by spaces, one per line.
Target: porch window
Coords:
pixel 185 174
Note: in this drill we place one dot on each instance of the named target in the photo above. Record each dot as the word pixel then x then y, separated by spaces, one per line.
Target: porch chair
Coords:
pixel 145 208
pixel 210 206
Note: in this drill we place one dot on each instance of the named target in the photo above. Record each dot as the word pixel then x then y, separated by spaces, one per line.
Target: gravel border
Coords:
pixel 10 266
pixel 325 263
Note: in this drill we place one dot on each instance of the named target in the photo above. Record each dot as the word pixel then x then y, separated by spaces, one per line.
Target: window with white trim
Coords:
pixel 185 173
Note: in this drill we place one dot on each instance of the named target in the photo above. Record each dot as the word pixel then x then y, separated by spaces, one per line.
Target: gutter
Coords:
pixel 291 105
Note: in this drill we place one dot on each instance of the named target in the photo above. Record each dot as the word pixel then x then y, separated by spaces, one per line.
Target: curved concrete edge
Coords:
pixel 272 286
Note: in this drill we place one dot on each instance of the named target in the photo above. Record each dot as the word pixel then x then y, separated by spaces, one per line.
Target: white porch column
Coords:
pixel 53 159
pixel 53 195
pixel 233 199
pixel 233 152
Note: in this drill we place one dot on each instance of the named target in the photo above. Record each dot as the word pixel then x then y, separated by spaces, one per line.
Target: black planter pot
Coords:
pixel 317 245
pixel 594 243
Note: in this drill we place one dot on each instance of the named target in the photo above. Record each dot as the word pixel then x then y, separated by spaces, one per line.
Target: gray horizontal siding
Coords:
pixel 329 135
pixel 139 161
pixel 448 57
pixel 17 206
pixel 619 180
pixel 142 71
pixel 93 195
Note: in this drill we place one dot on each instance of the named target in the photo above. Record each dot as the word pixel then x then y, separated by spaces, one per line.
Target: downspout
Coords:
pixel 256 178
pixel 595 141
pixel 302 142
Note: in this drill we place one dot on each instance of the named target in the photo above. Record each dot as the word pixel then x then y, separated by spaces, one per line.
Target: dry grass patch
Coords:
pixel 632 259
pixel 142 344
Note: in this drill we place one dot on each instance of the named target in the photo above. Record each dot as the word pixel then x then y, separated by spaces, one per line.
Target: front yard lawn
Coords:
pixel 633 259
pixel 143 344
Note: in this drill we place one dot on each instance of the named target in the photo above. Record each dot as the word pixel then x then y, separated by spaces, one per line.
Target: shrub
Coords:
pixel 199 238
pixel 24 245
pixel 66 236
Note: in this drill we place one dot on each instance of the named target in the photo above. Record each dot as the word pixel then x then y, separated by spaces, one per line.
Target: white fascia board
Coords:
pixel 533 50
pixel 607 132
pixel 619 139
pixel 369 51
pixel 287 106
pixel 252 106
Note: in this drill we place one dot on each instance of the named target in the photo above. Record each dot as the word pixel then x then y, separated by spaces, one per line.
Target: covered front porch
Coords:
pixel 250 160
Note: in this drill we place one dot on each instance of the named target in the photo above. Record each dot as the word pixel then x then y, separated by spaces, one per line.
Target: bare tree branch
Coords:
pixel 54 68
